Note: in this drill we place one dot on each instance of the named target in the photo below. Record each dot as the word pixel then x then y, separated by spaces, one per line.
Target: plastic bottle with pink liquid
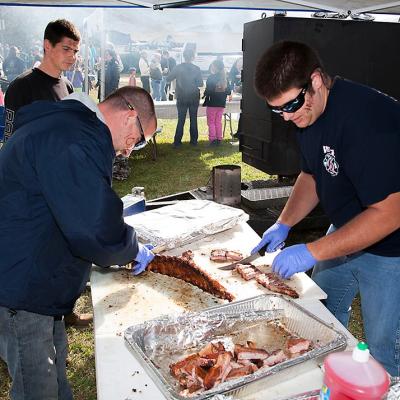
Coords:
pixel 354 375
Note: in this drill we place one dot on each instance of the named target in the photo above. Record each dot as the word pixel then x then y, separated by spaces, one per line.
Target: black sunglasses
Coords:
pixel 293 105
pixel 142 142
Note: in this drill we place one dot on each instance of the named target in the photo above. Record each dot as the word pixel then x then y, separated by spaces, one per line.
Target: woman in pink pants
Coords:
pixel 217 89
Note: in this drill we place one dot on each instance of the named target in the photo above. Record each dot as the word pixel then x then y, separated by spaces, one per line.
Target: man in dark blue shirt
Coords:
pixel 349 137
pixel 59 215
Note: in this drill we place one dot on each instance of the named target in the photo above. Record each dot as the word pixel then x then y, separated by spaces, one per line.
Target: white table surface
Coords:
pixel 121 300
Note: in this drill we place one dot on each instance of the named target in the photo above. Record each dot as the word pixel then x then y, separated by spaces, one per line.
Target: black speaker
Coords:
pixel 366 52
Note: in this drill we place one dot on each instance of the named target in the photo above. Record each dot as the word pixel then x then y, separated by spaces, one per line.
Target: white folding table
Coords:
pixel 121 300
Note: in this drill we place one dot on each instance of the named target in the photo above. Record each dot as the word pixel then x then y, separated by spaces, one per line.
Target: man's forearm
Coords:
pixel 367 228
pixel 302 200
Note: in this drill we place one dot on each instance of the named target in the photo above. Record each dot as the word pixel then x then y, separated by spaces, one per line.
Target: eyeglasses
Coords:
pixel 293 105
pixel 142 142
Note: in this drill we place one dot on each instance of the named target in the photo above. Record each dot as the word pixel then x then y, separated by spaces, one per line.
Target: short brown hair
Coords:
pixel 188 55
pixel 138 97
pixel 284 66
pixel 56 30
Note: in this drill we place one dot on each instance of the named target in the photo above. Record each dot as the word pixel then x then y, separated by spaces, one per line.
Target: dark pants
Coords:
pixel 182 111
pixel 145 83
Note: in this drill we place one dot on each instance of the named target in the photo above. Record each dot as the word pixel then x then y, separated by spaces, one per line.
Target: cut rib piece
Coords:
pixel 249 353
pixel 242 370
pixel 222 255
pixel 275 357
pixel 218 373
pixel 188 271
pixel 297 345
pixel 275 284
pixel 247 271
pixel 188 255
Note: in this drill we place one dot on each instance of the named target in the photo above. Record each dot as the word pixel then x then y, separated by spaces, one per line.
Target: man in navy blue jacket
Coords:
pixel 58 215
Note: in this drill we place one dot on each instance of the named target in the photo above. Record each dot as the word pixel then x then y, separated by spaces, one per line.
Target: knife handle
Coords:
pixel 262 250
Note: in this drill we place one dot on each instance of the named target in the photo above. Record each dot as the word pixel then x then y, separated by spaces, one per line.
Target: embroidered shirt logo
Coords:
pixel 330 163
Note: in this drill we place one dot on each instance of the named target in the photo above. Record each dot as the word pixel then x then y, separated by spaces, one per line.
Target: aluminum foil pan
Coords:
pixel 266 320
pixel 185 222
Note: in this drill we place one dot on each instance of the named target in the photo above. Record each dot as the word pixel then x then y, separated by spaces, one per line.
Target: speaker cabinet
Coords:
pixel 366 52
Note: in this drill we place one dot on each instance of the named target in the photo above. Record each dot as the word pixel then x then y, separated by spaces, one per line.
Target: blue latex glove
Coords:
pixel 143 257
pixel 274 237
pixel 293 259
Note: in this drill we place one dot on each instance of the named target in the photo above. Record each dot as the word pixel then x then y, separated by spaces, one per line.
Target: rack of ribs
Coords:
pixel 269 280
pixel 185 269
pixel 221 255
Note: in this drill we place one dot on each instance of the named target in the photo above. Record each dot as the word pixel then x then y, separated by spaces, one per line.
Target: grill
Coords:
pixel 265 197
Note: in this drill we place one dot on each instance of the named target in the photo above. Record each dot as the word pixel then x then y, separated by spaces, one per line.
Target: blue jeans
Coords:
pixel 182 111
pixel 162 89
pixel 34 348
pixel 377 279
pixel 155 87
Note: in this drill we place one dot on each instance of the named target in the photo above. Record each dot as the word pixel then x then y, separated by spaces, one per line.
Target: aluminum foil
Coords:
pixel 394 392
pixel 185 222
pixel 266 320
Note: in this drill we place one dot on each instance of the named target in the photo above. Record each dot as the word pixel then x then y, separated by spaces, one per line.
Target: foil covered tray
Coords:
pixel 160 342
pixel 185 222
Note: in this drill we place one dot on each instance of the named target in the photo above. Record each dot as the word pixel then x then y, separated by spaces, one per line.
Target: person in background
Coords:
pixel 56 168
pixel 156 76
pixel 167 65
pixel 188 81
pixel 92 57
pixel 111 74
pixel 235 75
pixel 13 65
pixel 75 76
pixel 217 89
pixel 235 79
pixel 144 69
pixel 36 57
pixel 349 137
pixel 132 77
pixel 60 46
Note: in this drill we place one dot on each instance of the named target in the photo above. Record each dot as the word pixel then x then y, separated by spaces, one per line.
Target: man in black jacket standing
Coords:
pixel 59 215
pixel 167 65
pixel 188 80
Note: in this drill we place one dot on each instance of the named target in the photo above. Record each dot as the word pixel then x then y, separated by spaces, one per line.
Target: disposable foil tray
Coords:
pixel 160 342
pixel 185 222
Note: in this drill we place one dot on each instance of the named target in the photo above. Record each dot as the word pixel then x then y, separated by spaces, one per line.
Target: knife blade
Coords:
pixel 245 260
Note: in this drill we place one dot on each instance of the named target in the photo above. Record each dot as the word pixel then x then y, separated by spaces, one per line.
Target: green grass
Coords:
pixel 173 171
pixel 178 170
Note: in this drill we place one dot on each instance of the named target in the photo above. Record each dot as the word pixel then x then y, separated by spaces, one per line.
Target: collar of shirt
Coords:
pixel 88 102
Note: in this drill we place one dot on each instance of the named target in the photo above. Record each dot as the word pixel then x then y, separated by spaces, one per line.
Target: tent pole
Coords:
pixel 86 41
pixel 102 54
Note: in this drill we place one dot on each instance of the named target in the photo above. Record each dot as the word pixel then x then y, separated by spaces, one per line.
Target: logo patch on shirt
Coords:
pixel 330 163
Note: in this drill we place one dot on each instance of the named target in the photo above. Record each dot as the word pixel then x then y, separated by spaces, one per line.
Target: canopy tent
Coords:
pixel 95 22
pixel 342 6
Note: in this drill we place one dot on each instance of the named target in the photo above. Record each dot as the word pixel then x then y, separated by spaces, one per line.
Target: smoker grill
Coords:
pixel 352 49
pixel 265 197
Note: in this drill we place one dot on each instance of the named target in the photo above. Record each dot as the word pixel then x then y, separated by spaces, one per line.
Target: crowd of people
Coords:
pixel 156 73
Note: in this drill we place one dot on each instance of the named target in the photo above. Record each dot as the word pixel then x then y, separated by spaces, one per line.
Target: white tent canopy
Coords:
pixel 353 6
